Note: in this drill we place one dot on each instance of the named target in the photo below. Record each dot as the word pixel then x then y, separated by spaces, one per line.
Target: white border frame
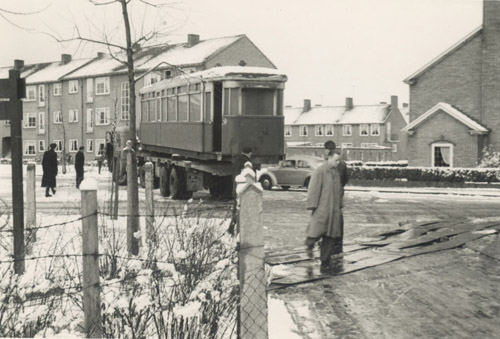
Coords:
pixel 442 144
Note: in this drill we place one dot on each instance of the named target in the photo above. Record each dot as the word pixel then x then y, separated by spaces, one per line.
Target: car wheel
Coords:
pixel 164 183
pixel 306 183
pixel 266 182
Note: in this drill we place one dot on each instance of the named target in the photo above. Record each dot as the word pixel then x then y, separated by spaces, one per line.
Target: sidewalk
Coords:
pixel 485 192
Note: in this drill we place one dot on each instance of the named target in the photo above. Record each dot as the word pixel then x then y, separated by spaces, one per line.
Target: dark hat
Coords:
pixel 53 145
pixel 81 148
pixel 246 150
pixel 330 145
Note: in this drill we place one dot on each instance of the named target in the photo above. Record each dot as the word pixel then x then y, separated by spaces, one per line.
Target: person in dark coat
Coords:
pixel 342 167
pixel 49 166
pixel 109 155
pixel 324 199
pixel 79 161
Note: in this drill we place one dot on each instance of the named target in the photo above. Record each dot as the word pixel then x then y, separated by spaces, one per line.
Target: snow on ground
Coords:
pixel 281 324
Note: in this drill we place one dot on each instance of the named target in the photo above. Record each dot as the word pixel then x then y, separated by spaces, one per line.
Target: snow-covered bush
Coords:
pixel 490 157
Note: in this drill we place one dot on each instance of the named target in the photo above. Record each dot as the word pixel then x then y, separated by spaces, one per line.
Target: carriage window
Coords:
pixel 172 109
pixel 195 107
pixel 258 101
pixel 208 106
pixel 194 88
pixel 279 110
pixel 182 89
pixel 164 109
pixel 182 108
pixel 231 102
pixel 152 110
pixel 144 110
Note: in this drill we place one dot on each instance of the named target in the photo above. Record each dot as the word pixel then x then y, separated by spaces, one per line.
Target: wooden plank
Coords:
pixel 302 256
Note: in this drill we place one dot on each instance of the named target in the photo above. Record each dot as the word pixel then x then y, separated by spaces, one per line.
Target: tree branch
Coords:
pixel 25 13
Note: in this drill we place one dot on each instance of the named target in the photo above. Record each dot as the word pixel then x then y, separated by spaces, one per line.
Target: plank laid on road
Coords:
pixel 302 256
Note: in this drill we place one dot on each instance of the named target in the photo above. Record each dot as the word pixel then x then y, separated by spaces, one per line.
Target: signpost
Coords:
pixel 12 90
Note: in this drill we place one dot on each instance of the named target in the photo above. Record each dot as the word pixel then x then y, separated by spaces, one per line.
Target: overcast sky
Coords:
pixel 329 49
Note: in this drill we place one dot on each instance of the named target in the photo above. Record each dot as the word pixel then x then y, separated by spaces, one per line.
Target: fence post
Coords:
pixel 251 270
pixel 116 174
pixel 132 206
pixel 90 245
pixel 30 204
pixel 150 210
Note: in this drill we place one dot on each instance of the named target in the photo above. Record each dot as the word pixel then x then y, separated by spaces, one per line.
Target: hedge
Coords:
pixel 425 174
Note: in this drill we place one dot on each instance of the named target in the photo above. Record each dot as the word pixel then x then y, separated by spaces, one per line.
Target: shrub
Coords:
pixel 490 157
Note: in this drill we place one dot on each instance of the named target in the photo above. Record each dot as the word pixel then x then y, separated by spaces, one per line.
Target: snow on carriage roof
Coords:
pixel 54 71
pixel 360 114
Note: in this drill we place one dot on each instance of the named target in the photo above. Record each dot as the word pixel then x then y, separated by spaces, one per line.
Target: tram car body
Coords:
pixel 208 117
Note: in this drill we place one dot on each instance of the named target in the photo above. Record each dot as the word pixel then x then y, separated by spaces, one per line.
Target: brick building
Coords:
pixel 76 102
pixel 364 132
pixel 455 101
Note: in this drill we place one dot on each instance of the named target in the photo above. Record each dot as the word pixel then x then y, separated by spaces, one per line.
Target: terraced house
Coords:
pixel 364 132
pixel 78 102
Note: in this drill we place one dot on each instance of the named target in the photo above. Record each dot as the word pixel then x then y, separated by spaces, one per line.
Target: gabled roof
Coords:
pixel 452 111
pixel 359 114
pixel 54 71
pixel 26 71
pixel 443 55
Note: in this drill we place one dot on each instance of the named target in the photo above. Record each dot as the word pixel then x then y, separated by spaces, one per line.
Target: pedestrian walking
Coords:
pixel 49 166
pixel 79 162
pixel 342 167
pixel 99 157
pixel 324 199
pixel 109 155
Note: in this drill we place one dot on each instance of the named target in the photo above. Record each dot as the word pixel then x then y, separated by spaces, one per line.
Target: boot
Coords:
pixel 47 192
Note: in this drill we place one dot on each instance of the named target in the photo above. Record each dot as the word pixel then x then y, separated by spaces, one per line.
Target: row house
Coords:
pixel 77 103
pixel 364 132
pixel 454 99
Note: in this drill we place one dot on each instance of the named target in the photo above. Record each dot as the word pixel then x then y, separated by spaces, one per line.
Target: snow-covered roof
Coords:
pixel 26 71
pixel 452 111
pixel 54 71
pixel 360 114
pixel 291 114
pixel 102 65
pixel 443 55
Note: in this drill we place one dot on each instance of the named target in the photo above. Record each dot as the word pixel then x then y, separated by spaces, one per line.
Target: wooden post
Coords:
pixel 116 187
pixel 31 203
pixel 251 270
pixel 132 206
pixel 150 210
pixel 90 245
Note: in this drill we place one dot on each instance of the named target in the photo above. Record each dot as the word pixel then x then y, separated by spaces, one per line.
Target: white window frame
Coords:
pixel 73 86
pixel 303 128
pixel 363 127
pixel 73 115
pixel 151 78
pixel 59 145
pixel 90 120
pixel 288 131
pixel 41 95
pixel 104 110
pixel 41 122
pixel 26 121
pixel 41 146
pixel 328 129
pixel 375 129
pixel 73 145
pixel 30 93
pixel 90 145
pixel 29 145
pixel 58 118
pixel 90 90
pixel 57 89
pixel 104 83
pixel 99 142
pixel 442 144
pixel 125 100
pixel 346 144
pixel 319 130
pixel 347 130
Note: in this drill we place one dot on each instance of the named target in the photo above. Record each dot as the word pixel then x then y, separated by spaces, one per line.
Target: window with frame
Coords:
pixel 57 91
pixel 29 120
pixel 329 130
pixel 73 115
pixel 442 155
pixel 102 86
pixel 319 130
pixel 151 78
pixel 90 120
pixel 30 93
pixel 288 164
pixel 29 147
pixel 288 131
pixel 303 131
pixel 41 145
pixel 41 122
pixel 125 101
pixel 347 130
pixel 102 116
pixel 100 146
pixel 59 145
pixel 41 95
pixel 58 117
pixel 73 145
pixel 73 86
pixel 375 129
pixel 303 164
pixel 364 130
pixel 168 73
pixel 90 145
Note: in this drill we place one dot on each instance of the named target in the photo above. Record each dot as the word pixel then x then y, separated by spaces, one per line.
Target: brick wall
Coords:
pixel 441 127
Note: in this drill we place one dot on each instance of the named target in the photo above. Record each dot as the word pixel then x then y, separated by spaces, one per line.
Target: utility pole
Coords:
pixel 12 90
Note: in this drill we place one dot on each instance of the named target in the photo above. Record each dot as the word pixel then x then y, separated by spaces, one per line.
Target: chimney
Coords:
pixel 348 104
pixel 65 59
pixel 405 104
pixel 307 105
pixel 394 101
pixel 18 64
pixel 193 39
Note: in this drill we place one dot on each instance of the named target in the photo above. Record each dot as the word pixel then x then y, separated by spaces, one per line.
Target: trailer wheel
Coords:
pixel 178 187
pixel 164 183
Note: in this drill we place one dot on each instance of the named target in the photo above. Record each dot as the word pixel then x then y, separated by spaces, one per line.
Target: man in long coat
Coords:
pixel 79 162
pixel 324 199
pixel 342 167
pixel 49 166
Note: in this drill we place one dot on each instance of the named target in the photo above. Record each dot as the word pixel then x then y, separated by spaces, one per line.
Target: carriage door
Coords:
pixel 217 122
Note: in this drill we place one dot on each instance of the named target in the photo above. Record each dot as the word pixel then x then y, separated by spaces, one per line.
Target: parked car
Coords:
pixel 295 171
